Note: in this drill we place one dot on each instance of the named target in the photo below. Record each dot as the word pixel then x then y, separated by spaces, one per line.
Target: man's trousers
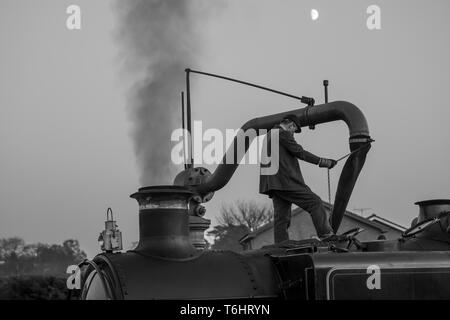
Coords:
pixel 305 199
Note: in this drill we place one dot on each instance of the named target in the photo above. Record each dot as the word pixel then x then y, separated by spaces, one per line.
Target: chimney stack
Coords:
pixel 164 222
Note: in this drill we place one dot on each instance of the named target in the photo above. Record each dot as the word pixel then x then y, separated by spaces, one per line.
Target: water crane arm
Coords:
pixel 328 112
pixel 204 184
pixel 303 99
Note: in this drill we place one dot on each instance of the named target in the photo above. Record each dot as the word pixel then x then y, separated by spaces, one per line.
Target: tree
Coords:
pixel 247 213
pixel 33 288
pixel 236 221
pixel 11 245
pixel 73 250
pixel 32 259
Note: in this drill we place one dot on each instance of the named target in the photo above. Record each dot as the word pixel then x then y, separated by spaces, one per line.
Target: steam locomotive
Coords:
pixel 165 264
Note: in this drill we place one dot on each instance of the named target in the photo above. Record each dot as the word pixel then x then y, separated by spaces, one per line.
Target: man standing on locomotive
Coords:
pixel 287 185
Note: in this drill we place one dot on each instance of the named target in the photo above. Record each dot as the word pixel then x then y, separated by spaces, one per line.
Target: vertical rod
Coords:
pixel 188 111
pixel 183 127
pixel 329 188
pixel 325 85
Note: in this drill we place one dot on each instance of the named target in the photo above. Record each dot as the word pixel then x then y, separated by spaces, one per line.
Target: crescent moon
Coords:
pixel 314 14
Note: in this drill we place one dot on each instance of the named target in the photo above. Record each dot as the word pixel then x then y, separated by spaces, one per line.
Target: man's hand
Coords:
pixel 327 163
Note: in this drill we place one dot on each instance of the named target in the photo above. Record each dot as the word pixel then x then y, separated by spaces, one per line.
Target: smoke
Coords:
pixel 159 40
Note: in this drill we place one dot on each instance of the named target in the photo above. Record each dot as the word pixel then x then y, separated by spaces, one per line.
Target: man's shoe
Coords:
pixel 329 237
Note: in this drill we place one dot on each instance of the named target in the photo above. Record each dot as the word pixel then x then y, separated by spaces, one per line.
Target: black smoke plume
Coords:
pixel 158 39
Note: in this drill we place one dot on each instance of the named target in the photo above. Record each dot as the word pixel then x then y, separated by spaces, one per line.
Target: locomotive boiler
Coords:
pixel 166 265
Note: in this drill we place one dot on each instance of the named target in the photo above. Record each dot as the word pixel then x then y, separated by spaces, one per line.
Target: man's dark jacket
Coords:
pixel 289 176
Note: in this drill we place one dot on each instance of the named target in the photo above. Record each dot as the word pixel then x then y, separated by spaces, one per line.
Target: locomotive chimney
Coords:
pixel 164 222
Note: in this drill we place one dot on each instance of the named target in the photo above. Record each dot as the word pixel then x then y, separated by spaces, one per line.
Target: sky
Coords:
pixel 65 133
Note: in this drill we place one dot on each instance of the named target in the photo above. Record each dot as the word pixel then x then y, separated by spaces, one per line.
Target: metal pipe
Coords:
pixel 338 110
pixel 303 99
pixel 333 111
pixel 325 84
pixel 329 187
pixel 188 111
pixel 183 127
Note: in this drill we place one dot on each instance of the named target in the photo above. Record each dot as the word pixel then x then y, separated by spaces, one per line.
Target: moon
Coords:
pixel 314 14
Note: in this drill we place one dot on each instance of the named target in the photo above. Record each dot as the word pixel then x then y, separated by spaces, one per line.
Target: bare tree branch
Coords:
pixel 236 220
pixel 247 213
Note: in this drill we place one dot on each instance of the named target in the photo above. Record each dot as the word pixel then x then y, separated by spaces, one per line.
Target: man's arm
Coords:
pixel 287 140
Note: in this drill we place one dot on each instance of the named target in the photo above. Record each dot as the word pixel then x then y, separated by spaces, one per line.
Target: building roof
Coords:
pixel 386 222
pixel 372 223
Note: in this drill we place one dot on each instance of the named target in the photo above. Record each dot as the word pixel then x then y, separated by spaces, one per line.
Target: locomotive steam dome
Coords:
pixel 432 208
pixel 431 230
